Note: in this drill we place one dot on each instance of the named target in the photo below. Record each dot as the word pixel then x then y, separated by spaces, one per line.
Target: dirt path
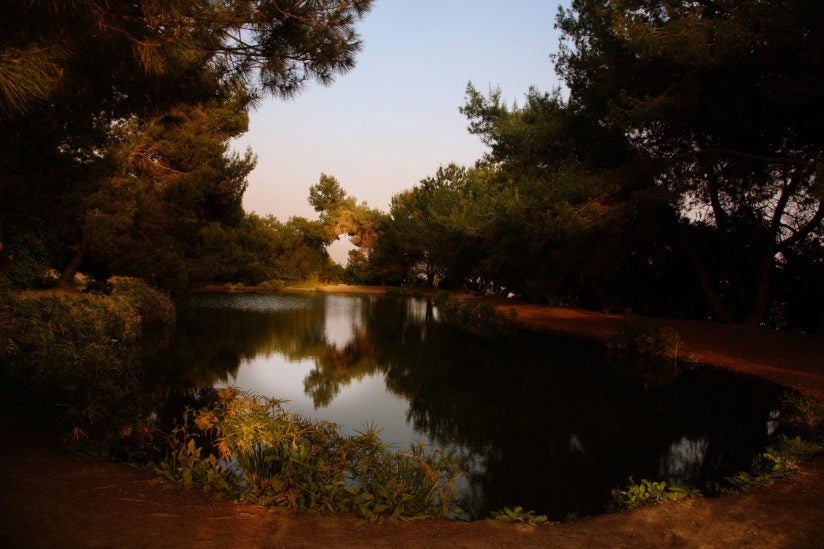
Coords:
pixel 53 499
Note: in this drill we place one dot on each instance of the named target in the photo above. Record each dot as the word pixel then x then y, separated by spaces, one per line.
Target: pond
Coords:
pixel 550 424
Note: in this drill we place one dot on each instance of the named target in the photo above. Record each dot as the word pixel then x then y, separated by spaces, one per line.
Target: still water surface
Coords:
pixel 548 423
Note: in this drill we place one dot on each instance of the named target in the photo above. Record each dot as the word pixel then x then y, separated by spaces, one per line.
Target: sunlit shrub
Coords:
pixel 272 285
pixel 189 465
pixel 288 461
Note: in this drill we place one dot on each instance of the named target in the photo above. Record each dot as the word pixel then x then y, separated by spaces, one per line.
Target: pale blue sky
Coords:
pixel 394 119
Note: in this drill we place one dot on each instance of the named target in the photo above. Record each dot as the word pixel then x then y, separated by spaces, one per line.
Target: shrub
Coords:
pixel 647 492
pixel 803 415
pixel 517 514
pixel 288 461
pixel 639 338
pixel 28 261
pixel 781 460
pixel 156 309
pixel 272 285
pixel 70 360
pixel 479 318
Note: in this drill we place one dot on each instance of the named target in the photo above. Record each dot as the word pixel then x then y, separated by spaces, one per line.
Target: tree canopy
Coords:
pixel 677 172
pixel 116 119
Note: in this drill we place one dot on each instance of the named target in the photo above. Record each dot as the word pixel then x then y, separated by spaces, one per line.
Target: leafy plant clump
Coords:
pixel 804 416
pixel 479 318
pixel 71 362
pixel 279 459
pixel 517 514
pixel 782 460
pixel 647 492
pixel 156 309
pixel 639 338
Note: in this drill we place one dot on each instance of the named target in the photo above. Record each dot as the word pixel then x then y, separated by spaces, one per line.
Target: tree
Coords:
pixel 341 214
pixel 176 178
pixel 722 99
pixel 72 74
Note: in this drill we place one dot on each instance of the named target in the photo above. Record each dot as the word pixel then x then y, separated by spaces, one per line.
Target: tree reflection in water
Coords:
pixel 549 424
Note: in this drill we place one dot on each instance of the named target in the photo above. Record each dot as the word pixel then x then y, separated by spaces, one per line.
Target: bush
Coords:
pixel 71 361
pixel 288 461
pixel 273 285
pixel 518 515
pixel 804 416
pixel 781 460
pixel 647 492
pixel 644 339
pixel 28 261
pixel 156 309
pixel 479 318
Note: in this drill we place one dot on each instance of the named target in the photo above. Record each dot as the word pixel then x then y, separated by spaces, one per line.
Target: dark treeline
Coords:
pixel 115 122
pixel 678 173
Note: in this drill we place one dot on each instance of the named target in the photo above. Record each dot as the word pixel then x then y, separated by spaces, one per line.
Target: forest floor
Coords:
pixel 53 499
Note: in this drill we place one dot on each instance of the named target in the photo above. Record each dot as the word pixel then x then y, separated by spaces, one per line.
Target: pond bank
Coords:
pixel 790 359
pixel 52 499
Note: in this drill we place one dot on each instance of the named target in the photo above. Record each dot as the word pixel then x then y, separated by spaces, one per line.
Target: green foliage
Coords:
pixel 647 493
pixel 73 362
pixel 781 460
pixel 517 514
pixel 272 285
pixel 155 308
pixel 25 261
pixel 480 318
pixel 644 339
pixel 804 415
pixel 121 161
pixel 190 466
pixel 287 461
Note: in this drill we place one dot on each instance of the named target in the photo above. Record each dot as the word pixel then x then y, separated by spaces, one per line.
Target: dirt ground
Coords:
pixel 53 499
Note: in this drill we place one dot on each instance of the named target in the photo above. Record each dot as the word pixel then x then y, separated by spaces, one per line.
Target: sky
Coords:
pixel 394 119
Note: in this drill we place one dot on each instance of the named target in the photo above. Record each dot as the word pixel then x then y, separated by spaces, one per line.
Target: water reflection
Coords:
pixel 548 424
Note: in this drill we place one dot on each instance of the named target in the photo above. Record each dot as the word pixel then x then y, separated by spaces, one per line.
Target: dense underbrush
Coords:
pixel 73 361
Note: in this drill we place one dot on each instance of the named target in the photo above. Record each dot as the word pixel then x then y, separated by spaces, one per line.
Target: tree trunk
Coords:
pixel 66 280
pixel 705 281
pixel 762 291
